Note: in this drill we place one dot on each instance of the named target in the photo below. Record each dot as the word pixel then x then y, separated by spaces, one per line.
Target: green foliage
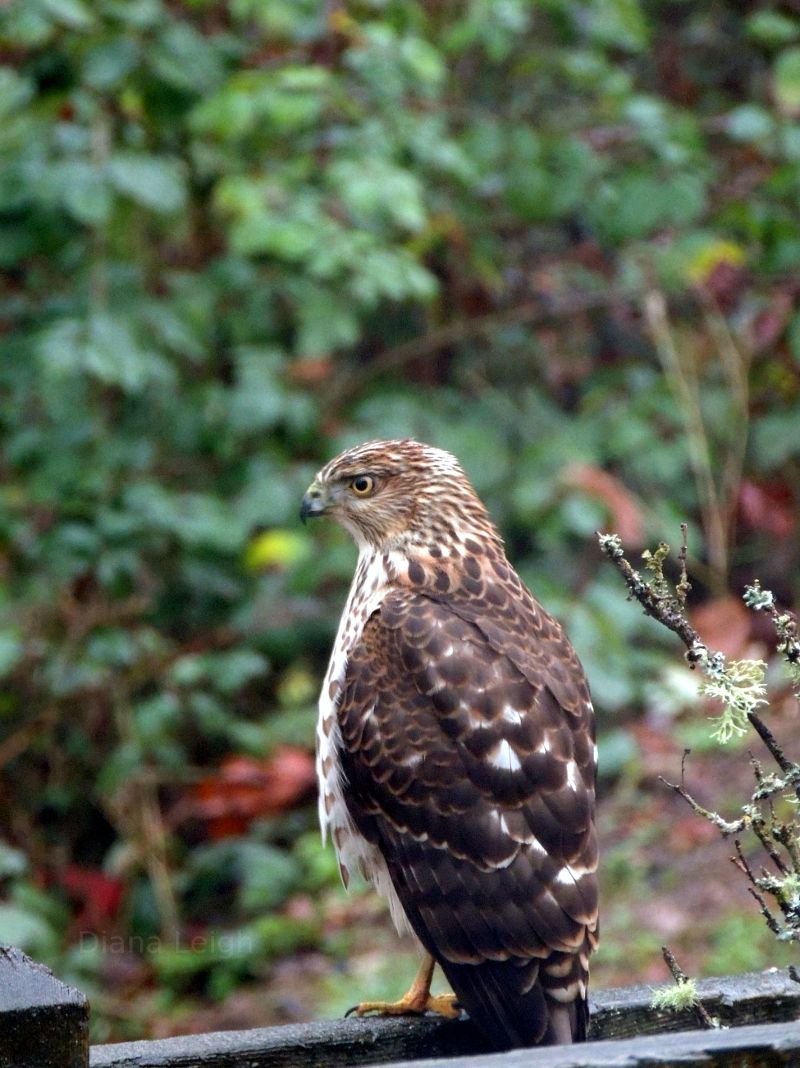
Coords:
pixel 224 229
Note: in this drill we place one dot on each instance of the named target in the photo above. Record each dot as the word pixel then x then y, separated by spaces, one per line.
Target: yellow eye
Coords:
pixel 362 485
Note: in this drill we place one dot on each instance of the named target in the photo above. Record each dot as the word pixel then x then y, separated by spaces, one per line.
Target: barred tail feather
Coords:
pixel 490 993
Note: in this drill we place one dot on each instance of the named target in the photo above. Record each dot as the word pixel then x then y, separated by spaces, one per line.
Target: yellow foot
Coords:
pixel 417 1001
pixel 412 1005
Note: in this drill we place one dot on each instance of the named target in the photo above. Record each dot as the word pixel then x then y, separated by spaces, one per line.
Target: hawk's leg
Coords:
pixel 417 1000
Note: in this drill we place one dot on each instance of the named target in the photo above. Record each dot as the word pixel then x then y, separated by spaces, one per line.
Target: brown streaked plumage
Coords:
pixel 455 746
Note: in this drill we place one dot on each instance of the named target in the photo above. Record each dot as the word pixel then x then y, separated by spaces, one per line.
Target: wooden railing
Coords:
pixel 45 1024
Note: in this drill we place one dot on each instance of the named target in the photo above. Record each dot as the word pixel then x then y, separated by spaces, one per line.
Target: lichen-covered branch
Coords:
pixel 683 995
pixel 667 610
pixel 740 687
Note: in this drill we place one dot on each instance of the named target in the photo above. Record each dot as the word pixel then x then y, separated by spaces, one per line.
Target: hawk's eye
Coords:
pixel 362 485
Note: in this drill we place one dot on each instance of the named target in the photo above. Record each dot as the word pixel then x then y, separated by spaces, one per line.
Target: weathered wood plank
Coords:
pixel 755 997
pixel 43 1022
pixel 753 1046
pixel 735 1000
pixel 326 1044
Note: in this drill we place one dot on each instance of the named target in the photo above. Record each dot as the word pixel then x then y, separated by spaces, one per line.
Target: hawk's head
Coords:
pixel 396 494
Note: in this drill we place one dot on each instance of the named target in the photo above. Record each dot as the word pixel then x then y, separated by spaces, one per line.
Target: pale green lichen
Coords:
pixel 611 545
pixel 757 599
pixel 654 563
pixel 683 995
pixel 738 686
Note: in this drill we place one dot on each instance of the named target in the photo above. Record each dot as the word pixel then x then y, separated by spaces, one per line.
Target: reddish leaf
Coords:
pixel 771 322
pixel 724 625
pixel 98 895
pixel 245 789
pixel 726 282
pixel 625 514
pixel 768 507
pixel 310 371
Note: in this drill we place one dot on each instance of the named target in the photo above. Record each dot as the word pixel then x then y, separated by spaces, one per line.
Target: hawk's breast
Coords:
pixel 353 851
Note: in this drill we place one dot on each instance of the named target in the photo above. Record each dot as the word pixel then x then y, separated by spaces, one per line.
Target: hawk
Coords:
pixel 455 749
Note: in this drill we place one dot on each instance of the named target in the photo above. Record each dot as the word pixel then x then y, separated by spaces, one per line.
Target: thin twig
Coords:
pixel 684 585
pixel 680 977
pixel 681 375
pixel 740 861
pixel 735 361
pixel 769 740
pixel 723 826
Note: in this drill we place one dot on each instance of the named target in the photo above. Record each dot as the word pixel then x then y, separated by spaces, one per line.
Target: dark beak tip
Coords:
pixel 310 508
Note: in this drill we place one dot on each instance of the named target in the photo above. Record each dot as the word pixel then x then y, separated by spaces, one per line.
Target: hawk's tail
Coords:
pixel 490 993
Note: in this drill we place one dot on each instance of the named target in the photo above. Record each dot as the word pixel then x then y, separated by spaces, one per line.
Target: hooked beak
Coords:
pixel 314 502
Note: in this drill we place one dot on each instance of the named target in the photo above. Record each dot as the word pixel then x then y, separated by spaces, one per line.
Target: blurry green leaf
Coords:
pixel 279 935
pixel 393 275
pixel 620 23
pixel 424 62
pixel 290 726
pixel 13 862
pixel 268 877
pixel 258 397
pixel 113 646
pixel 641 203
pixel 320 867
pixel 750 123
pixel 186 59
pixel 582 514
pixel 232 670
pixel 156 718
pixel 72 13
pixel 265 875
pixel 140 14
pixel 103 347
pixel 30 932
pixel 296 19
pixel 297 687
pixel 374 188
pixel 284 100
pixel 109 63
pixel 276 548
pixel 11 651
pixel 26 25
pixel 226 672
pixel 786 81
pixel 772 28
pixel 87 196
pixel 326 321
pixel 15 91
pixel 617 750
pixel 155 182
pixel 194 519
pixel 773 439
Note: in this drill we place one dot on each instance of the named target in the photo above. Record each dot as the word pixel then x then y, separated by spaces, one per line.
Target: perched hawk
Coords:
pixel 455 749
